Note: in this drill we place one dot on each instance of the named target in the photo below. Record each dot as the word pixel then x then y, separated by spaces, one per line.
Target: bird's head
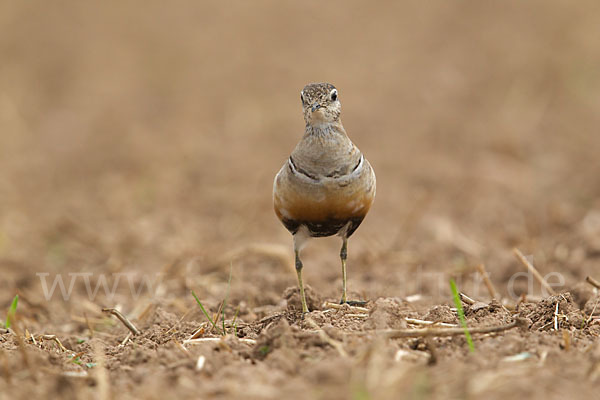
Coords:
pixel 320 104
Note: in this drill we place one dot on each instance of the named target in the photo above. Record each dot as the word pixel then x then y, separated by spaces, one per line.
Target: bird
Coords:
pixel 326 186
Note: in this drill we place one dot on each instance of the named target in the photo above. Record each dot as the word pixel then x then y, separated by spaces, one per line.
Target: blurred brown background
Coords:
pixel 134 134
pixel 142 138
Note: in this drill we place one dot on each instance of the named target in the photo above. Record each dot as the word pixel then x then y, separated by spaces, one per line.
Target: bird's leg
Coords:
pixel 300 284
pixel 343 256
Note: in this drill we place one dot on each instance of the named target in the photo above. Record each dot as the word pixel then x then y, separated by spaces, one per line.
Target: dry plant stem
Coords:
pixel 534 271
pixel 123 319
pixel 487 281
pixel 217 317
pixel 208 340
pixel 439 332
pixel 55 339
pixel 423 322
pixel 197 333
pixel 592 313
pixel 592 282
pixel 466 299
pixel 124 342
pixel 556 316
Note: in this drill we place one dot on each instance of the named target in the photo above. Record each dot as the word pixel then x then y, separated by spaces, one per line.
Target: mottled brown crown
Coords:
pixel 320 103
pixel 317 92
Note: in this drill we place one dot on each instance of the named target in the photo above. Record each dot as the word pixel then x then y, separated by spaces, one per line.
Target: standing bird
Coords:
pixel 327 186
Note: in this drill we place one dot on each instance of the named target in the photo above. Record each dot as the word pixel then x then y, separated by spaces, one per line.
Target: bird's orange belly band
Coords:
pixel 328 206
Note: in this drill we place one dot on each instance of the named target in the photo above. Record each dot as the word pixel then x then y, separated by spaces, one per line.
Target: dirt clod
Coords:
pixel 292 297
pixel 545 315
pixel 441 313
pixel 277 336
pixel 386 313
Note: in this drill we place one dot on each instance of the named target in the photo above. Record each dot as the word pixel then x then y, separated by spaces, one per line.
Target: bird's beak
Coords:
pixel 315 107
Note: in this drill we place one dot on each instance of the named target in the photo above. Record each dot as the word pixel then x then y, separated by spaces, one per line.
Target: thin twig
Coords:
pixel 534 271
pixel 123 319
pixel 556 316
pixel 423 322
pixel 216 339
pixel 466 299
pixel 54 338
pixel 592 282
pixel 363 315
pixel 197 333
pixel 439 332
pixel 124 342
pixel 487 281
pixel 593 311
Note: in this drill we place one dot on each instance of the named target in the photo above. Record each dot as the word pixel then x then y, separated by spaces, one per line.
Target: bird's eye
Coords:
pixel 302 97
pixel 334 95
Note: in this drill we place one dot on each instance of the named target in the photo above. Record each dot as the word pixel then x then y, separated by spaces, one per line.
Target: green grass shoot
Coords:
pixel 11 311
pixel 204 311
pixel 226 297
pixel 461 314
pixel 211 320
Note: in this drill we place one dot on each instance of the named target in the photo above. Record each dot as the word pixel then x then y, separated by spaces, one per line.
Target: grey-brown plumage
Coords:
pixel 326 186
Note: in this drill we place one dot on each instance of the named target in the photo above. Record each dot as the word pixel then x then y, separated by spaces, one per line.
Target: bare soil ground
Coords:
pixel 138 143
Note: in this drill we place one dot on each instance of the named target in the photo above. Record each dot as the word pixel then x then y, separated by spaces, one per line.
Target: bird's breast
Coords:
pixel 306 200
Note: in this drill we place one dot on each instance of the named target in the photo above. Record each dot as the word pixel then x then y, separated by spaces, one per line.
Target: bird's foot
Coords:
pixel 355 303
